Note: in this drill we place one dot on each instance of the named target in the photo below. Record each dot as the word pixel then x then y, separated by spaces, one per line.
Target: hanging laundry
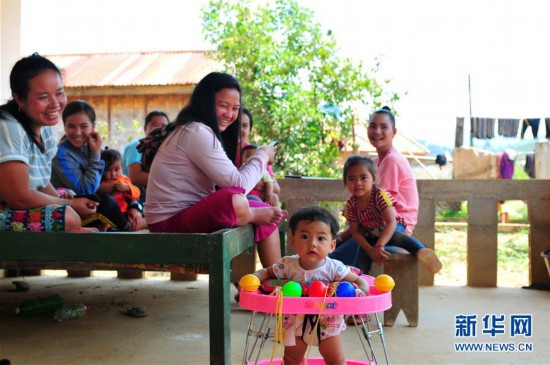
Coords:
pixel 530 165
pixel 507 164
pixel 441 160
pixel 482 128
pixel 498 157
pixel 508 127
pixel 533 123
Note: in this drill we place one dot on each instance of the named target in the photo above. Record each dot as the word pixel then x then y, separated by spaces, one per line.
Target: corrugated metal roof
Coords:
pixel 134 69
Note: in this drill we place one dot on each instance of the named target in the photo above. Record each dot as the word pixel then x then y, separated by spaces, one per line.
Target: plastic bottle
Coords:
pixel 38 305
pixel 64 313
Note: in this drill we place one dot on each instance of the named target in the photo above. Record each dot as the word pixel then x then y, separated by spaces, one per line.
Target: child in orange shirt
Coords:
pixel 120 187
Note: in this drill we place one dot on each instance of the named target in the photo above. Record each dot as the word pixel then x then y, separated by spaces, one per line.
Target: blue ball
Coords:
pixel 345 289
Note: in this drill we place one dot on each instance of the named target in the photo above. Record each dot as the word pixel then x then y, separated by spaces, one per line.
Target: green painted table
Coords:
pixel 165 251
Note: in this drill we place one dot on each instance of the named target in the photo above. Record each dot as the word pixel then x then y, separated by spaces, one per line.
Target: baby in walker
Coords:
pixel 313 232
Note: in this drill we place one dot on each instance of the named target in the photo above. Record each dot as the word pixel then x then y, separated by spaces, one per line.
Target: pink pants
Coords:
pixel 212 213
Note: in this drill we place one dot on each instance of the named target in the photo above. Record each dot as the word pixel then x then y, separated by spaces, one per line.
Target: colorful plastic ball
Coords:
pixel 384 283
pixel 292 289
pixel 249 282
pixel 317 289
pixel 345 289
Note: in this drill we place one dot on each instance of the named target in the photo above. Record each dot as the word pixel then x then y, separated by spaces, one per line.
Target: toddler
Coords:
pixel 113 182
pixel 264 188
pixel 372 218
pixel 313 231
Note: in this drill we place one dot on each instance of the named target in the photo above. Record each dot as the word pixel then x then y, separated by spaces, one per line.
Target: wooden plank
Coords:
pixel 106 247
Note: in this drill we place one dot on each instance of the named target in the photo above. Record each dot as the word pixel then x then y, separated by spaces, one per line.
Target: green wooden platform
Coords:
pixel 70 250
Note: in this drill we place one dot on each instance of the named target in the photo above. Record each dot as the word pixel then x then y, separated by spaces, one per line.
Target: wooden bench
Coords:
pixel 202 253
pixel 403 268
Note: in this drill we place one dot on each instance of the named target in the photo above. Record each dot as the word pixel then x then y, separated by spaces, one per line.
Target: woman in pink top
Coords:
pixel 194 185
pixel 395 176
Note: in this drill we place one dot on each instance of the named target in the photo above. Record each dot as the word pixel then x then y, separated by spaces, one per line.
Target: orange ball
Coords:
pixel 384 283
pixel 249 282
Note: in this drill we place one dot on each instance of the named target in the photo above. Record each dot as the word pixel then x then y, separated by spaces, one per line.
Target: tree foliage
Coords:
pixel 298 89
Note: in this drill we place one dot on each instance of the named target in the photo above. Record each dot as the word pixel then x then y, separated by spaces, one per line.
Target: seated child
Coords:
pixel 264 188
pixel 373 220
pixel 313 231
pixel 120 187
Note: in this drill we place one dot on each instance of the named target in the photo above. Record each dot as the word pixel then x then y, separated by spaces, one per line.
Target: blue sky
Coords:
pixel 428 48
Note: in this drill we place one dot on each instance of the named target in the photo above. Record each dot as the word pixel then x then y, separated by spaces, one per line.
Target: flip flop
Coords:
pixel 137 312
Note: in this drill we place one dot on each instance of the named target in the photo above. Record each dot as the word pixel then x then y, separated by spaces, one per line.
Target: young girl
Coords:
pixel 264 188
pixel 372 218
pixel 395 176
pixel 77 164
pixel 312 236
pixel 247 123
pixel 120 187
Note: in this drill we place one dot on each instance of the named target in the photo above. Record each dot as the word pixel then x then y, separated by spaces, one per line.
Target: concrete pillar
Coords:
pixel 10 43
pixel 482 242
pixel 542 154
pixel 539 240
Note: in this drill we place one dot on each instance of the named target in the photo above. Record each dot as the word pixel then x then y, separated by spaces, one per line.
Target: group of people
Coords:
pixel 205 176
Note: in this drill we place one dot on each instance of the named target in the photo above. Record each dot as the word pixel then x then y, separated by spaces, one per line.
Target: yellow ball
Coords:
pixel 249 282
pixel 384 283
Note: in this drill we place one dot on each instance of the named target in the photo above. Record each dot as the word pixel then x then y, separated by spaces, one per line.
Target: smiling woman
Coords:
pixel 194 185
pixel 28 201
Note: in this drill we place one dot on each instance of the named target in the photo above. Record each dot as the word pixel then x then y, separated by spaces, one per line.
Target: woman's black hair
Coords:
pixel 155 113
pixel 110 156
pixel 79 106
pixel 355 160
pixel 384 110
pixel 22 72
pixel 202 108
pixel 249 114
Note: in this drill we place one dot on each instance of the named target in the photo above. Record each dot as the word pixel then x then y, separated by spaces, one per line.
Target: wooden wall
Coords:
pixel 120 112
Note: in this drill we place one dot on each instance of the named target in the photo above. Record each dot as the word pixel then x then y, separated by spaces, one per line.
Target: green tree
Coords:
pixel 297 87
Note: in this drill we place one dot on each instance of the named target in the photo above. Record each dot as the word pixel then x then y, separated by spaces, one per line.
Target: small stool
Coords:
pixel 403 268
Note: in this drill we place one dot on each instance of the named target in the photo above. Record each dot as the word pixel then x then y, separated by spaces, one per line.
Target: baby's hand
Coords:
pixel 360 293
pixel 121 187
pixel 260 185
pixel 68 194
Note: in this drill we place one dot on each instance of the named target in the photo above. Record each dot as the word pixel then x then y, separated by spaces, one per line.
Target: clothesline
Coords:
pixel 484 128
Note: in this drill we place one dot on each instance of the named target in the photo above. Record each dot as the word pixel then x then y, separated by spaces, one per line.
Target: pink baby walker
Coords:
pixel 271 305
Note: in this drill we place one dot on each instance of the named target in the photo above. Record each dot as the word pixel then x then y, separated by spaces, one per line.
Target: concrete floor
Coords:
pixel 176 331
